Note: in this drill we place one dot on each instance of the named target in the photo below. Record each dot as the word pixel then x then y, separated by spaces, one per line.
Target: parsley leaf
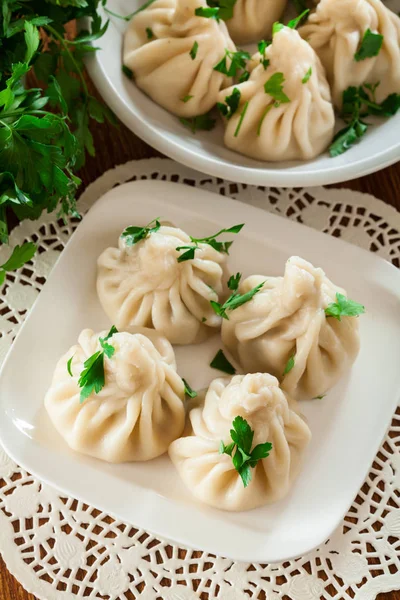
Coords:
pixel 307 76
pixel 127 71
pixel 238 61
pixel 92 378
pixel 149 33
pixel 344 307
pixel 187 98
pixel 220 9
pixel 244 76
pixel 131 15
pixel 274 87
pixel 188 390
pixel 221 363
pixel 207 12
pixel 234 280
pixel 20 255
pixel 201 122
pixel 319 397
pixel 262 46
pixel 193 51
pixel 232 104
pixel 244 458
pixel 294 23
pixel 289 365
pixel 69 363
pixel 371 45
pixel 133 235
pixel 235 299
pixel 211 240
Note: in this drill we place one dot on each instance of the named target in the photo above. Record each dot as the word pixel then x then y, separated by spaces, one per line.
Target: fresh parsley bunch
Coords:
pixel 44 131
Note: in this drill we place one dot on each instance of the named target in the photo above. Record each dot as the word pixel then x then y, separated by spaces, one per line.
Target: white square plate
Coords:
pixel 348 425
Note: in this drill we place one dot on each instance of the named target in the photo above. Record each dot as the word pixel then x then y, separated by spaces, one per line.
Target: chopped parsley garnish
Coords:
pixel 235 299
pixel 232 104
pixel 199 123
pixel 319 397
pixel 243 457
pixel 242 115
pixel 188 390
pixel 133 235
pixel 193 51
pixel 69 363
pixel 343 307
pixel 211 241
pixel 307 76
pixel 244 76
pixel 294 23
pixel 274 87
pixel 266 111
pixel 92 378
pixel 300 6
pixel 357 105
pixel 262 46
pixel 234 280
pixel 371 45
pixel 221 363
pixel 289 365
pixel 238 61
pixel 187 98
pixel 207 12
pixel 20 255
pixel 149 33
pixel 127 71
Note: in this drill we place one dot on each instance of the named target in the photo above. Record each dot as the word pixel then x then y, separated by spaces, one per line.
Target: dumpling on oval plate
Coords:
pixel 143 284
pixel 285 330
pixel 252 20
pixel 254 403
pixel 139 410
pixel 340 31
pixel 172 53
pixel 284 110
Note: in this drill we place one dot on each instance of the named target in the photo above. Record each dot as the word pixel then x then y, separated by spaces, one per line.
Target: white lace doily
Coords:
pixel 59 548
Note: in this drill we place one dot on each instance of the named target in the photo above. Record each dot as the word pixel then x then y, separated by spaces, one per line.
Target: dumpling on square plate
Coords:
pixel 131 406
pixel 253 410
pixel 297 327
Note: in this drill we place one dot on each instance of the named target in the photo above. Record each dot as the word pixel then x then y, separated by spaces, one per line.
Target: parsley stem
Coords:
pixel 64 44
pixel 266 111
pixel 241 119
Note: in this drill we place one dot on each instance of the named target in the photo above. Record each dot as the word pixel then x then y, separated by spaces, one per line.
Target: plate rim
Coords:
pixel 236 553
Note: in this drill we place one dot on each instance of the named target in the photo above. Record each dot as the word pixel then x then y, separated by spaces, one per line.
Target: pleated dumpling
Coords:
pixel 284 110
pixel 285 330
pixel 139 409
pixel 341 32
pixel 172 53
pixel 252 20
pixel 211 475
pixel 144 285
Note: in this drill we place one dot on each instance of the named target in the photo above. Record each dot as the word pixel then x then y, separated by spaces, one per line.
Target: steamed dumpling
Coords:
pixel 336 30
pixel 139 411
pixel 287 319
pixel 253 19
pixel 267 128
pixel 211 476
pixel 144 285
pixel 159 48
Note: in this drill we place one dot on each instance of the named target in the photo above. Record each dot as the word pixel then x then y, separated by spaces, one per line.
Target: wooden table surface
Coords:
pixel 116 146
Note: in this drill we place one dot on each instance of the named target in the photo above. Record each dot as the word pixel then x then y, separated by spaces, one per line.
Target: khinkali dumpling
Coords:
pixel 137 413
pixel 172 53
pixel 145 285
pixel 296 119
pixel 336 30
pixel 284 328
pixel 210 476
pixel 253 19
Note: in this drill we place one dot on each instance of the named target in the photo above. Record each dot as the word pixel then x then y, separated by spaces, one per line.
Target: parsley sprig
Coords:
pixel 20 256
pixel 358 104
pixel 231 104
pixel 243 457
pixel 235 299
pixel 211 241
pixel 132 235
pixel 238 61
pixel 370 46
pixel 92 378
pixel 344 307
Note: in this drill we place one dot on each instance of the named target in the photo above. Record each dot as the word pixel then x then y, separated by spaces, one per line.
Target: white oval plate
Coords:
pixel 205 151
pixel 347 425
